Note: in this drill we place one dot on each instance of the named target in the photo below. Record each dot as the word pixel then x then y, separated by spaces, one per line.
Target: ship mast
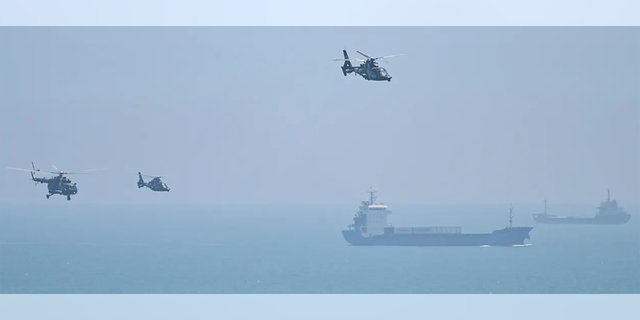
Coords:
pixel 372 197
pixel 511 216
pixel 545 206
pixel 608 195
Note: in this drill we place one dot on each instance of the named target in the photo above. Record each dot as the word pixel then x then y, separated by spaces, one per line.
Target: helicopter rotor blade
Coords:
pixel 393 55
pixel 364 55
pixel 148 176
pixel 20 169
pixel 349 60
pixel 79 172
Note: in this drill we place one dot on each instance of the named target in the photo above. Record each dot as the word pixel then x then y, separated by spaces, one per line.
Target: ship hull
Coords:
pixel 613 219
pixel 504 237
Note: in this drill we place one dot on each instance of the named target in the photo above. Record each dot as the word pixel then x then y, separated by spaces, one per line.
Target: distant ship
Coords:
pixel 370 228
pixel 608 213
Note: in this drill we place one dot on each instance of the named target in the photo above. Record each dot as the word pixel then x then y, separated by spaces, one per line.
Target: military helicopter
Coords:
pixel 57 184
pixel 369 70
pixel 155 184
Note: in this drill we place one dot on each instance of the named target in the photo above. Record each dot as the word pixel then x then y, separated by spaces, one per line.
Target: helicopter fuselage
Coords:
pixel 59 185
pixel 155 184
pixel 370 73
pixel 369 70
pixel 373 73
pixel 63 189
pixel 158 186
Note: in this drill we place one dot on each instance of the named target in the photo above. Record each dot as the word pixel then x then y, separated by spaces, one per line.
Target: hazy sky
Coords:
pixel 254 115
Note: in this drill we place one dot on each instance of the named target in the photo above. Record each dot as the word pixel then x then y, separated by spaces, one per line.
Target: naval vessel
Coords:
pixel 609 212
pixel 370 228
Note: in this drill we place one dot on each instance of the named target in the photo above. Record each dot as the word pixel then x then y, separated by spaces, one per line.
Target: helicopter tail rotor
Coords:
pixel 347 67
pixel 31 171
pixel 347 64
pixel 140 181
pixel 33 174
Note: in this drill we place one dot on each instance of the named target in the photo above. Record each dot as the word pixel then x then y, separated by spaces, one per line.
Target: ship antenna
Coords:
pixel 510 216
pixel 372 198
pixel 608 195
pixel 545 206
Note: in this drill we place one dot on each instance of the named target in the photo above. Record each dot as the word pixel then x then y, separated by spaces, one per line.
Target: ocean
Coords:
pixel 77 248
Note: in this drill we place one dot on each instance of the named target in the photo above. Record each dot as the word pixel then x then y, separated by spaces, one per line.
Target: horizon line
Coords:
pixel 506 204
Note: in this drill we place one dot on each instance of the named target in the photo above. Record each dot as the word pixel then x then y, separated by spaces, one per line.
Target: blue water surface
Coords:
pixel 299 249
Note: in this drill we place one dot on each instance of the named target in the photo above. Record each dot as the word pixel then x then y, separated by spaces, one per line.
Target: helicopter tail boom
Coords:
pixel 347 67
pixel 140 181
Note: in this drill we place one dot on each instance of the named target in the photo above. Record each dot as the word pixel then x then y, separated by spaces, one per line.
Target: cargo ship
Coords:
pixel 609 212
pixel 370 228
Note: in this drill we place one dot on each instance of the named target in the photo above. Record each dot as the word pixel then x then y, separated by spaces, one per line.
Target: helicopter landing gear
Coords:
pixel 68 198
pixel 389 80
pixel 48 196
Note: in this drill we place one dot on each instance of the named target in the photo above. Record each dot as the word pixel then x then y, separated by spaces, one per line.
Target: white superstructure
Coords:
pixel 372 216
pixel 371 220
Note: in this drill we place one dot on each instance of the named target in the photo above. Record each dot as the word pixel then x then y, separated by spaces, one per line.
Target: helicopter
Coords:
pixel 370 70
pixel 155 184
pixel 58 184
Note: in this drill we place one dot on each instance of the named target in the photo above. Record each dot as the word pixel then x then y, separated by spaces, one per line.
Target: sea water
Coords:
pixel 299 249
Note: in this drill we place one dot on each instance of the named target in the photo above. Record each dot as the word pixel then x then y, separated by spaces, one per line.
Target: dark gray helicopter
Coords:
pixel 57 184
pixel 369 70
pixel 155 184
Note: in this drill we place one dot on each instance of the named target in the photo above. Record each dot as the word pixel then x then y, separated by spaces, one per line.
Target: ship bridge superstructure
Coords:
pixel 371 218
pixel 609 207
